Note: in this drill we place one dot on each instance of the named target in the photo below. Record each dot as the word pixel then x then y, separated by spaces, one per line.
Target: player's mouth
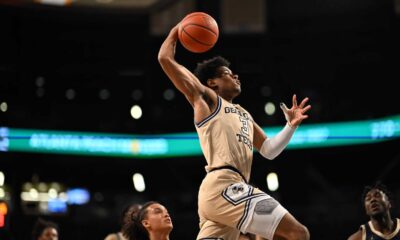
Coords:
pixel 375 205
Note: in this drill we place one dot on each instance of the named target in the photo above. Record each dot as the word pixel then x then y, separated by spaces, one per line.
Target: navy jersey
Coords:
pixel 370 233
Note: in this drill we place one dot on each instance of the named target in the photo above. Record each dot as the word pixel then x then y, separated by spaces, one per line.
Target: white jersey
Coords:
pixel 226 138
pixel 227 204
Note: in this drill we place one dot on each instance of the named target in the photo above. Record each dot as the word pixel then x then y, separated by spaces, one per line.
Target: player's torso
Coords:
pixel 226 137
pixel 369 233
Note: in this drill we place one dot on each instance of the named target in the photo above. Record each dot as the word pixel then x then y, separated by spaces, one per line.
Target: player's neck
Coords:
pixel 227 94
pixel 159 236
pixel 384 224
pixel 226 97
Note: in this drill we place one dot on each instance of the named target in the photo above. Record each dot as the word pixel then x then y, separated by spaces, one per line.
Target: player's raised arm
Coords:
pixel 182 78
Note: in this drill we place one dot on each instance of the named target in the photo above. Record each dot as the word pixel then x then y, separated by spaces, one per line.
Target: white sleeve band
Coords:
pixel 272 147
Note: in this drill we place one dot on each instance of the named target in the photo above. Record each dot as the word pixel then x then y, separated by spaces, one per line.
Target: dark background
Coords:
pixel 341 54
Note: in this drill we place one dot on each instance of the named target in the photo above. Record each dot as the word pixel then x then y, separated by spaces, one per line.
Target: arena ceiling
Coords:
pixel 107 4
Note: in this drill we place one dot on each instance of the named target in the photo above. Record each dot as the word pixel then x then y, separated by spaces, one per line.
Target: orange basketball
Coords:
pixel 198 32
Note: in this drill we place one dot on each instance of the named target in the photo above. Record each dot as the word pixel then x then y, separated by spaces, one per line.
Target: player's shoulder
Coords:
pixel 356 236
pixel 111 236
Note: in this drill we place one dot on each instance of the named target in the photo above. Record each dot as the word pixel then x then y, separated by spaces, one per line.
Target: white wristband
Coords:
pixel 272 147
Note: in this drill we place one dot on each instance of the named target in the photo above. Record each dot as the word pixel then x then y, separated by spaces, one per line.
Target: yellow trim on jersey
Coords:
pixel 388 236
pixel 363 232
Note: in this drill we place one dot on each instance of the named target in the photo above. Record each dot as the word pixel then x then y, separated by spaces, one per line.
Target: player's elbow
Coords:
pixel 162 59
pixel 270 155
pixel 165 56
pixel 166 62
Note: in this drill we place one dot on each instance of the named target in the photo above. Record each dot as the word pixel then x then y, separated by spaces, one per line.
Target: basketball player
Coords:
pixel 151 222
pixel 228 134
pixel 381 226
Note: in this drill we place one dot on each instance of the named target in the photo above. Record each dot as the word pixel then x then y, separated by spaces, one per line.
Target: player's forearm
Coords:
pixel 166 58
pixel 182 78
pixel 272 147
pixel 167 50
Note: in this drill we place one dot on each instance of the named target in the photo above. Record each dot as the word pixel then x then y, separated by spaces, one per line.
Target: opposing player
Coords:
pixel 377 204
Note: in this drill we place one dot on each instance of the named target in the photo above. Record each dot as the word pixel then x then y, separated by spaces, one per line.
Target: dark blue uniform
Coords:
pixel 369 233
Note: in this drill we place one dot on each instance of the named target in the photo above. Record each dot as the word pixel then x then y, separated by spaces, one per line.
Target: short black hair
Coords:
pixel 208 69
pixel 379 186
pixel 40 226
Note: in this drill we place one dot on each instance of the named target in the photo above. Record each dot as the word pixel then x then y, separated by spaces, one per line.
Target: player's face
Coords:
pixel 228 81
pixel 157 218
pixel 49 234
pixel 376 202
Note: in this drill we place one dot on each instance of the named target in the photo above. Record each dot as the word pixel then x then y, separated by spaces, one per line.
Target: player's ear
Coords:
pixel 211 82
pixel 145 223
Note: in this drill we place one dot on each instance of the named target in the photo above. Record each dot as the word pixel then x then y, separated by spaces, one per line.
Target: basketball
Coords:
pixel 198 32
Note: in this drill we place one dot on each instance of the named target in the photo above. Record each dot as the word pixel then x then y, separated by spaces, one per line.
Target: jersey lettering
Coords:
pixel 245 127
pixel 245 140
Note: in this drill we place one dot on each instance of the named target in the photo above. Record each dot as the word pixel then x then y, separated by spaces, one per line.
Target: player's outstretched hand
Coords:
pixel 296 114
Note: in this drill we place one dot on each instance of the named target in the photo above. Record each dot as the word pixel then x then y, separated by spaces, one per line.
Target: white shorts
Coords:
pixel 228 206
pixel 266 213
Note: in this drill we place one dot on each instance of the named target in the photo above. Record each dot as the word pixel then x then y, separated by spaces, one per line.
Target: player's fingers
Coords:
pixel 303 103
pixel 306 109
pixel 294 99
pixel 284 107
